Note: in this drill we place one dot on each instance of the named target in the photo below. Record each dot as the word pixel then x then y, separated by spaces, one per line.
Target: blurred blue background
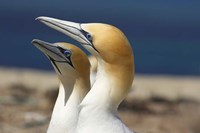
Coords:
pixel 165 35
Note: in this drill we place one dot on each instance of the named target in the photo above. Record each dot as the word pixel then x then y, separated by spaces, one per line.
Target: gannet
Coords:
pixel 73 68
pixel 98 113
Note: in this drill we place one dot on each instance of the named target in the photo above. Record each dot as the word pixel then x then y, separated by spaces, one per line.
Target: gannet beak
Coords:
pixel 71 29
pixel 52 51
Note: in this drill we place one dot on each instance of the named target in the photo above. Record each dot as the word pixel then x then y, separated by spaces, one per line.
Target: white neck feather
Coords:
pixel 105 92
pixel 65 116
pixel 98 110
pixel 99 95
pixel 57 122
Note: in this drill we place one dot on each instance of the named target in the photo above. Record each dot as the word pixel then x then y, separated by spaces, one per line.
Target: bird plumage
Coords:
pixel 93 68
pixel 114 77
pixel 73 68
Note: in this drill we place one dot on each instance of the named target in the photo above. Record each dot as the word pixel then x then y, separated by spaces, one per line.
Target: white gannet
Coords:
pixel 98 113
pixel 93 68
pixel 73 68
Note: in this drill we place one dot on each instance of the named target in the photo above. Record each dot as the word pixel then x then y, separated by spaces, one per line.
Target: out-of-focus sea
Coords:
pixel 165 35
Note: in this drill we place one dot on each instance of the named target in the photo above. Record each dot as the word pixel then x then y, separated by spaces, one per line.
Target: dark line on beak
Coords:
pixel 53 61
pixel 95 48
pixel 49 49
pixel 70 62
pixel 91 46
pixel 81 30
pixel 60 26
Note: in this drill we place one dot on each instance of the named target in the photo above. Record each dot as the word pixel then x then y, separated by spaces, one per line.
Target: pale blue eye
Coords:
pixel 67 53
pixel 89 37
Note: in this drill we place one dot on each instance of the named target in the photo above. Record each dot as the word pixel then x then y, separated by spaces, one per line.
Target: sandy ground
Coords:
pixel 155 104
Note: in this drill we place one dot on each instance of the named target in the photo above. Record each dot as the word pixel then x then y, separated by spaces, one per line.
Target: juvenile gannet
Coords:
pixel 73 68
pixel 114 78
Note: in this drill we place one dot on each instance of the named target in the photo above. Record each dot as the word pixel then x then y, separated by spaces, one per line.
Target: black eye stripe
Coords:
pixel 66 52
pixel 87 35
pixel 61 49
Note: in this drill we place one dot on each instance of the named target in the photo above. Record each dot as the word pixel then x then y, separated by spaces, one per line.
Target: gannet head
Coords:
pixel 107 43
pixel 67 59
pixel 102 40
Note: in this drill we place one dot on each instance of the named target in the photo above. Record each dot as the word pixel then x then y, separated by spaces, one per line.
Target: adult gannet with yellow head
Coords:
pixel 115 73
pixel 73 69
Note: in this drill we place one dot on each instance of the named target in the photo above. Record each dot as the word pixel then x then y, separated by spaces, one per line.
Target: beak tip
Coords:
pixel 40 18
pixel 34 41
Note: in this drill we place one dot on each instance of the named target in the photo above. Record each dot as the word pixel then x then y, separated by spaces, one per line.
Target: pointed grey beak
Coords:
pixel 71 29
pixel 50 50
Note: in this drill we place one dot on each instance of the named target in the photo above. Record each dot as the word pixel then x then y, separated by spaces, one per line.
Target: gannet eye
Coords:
pixel 89 37
pixel 67 53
